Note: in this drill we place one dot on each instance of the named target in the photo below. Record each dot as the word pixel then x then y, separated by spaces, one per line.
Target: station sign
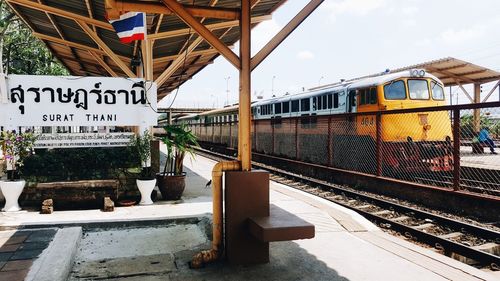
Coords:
pixel 35 100
pixel 79 140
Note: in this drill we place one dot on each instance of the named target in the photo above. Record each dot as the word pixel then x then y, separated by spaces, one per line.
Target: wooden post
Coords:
pixel 245 147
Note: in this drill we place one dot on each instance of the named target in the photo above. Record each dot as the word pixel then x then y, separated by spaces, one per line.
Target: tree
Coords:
pixel 20 51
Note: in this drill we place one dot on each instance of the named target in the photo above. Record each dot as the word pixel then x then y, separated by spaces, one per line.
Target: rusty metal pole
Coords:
pixel 378 144
pixel 245 148
pixel 456 149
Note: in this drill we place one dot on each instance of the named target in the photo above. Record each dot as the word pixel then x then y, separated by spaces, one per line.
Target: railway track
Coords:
pixel 472 244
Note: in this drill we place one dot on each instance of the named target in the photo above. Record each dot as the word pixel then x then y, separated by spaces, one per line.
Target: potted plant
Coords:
pixel 17 147
pixel 179 140
pixel 146 181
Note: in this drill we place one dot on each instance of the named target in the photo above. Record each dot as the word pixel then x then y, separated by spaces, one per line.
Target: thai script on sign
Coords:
pixel 137 95
pixel 76 140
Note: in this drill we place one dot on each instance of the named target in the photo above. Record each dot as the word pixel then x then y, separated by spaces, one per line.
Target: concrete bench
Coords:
pixel 280 225
pixel 79 194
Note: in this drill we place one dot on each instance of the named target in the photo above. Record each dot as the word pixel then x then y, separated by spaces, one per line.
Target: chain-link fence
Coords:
pixel 452 146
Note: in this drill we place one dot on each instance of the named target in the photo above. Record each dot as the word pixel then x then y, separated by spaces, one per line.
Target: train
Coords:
pixel 336 124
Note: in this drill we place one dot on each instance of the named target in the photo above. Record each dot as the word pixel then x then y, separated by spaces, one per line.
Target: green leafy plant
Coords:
pixel 179 140
pixel 141 145
pixel 17 147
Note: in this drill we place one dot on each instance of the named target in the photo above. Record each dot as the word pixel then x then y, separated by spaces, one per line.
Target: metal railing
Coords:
pixel 440 146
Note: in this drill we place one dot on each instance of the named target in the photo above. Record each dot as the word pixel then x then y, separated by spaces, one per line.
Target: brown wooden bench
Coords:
pixel 280 225
pixel 85 194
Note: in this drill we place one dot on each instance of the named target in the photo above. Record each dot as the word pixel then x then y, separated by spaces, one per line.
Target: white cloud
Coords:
pixel 426 42
pixel 263 33
pixel 305 55
pixel 410 10
pixel 453 36
pixel 355 7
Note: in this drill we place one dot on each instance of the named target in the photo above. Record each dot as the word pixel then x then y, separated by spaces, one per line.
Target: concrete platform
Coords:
pixel 156 242
pixel 481 161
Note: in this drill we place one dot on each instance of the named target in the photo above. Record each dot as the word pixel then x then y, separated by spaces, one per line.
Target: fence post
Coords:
pixel 297 138
pixel 272 136
pixel 378 144
pixel 456 149
pixel 330 148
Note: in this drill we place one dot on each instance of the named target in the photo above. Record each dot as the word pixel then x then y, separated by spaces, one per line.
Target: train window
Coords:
pixel 373 95
pixel 305 105
pixel 330 102
pixel 295 106
pixel 286 107
pixel 395 91
pixel 437 91
pixel 336 100
pixel 320 103
pixel 277 108
pixel 314 107
pixel 324 101
pixel 418 89
pixel 362 96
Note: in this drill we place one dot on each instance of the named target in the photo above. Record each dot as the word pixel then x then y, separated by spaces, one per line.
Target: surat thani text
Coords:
pixel 79 97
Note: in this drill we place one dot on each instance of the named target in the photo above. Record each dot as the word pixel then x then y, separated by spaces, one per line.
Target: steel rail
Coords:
pixel 430 239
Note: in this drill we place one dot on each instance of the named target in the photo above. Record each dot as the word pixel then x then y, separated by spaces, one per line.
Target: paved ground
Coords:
pixel 18 250
pixel 156 242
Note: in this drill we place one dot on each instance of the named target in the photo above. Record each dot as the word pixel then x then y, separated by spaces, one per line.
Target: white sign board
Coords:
pixel 77 101
pixel 77 140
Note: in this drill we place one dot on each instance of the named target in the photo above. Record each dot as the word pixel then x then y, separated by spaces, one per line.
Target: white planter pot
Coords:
pixel 11 191
pixel 145 188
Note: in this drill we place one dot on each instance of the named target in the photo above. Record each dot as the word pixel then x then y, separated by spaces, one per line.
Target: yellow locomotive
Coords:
pixel 336 124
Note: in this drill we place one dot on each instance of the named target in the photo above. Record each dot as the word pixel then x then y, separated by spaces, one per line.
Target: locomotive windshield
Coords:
pixel 437 91
pixel 418 89
pixel 395 91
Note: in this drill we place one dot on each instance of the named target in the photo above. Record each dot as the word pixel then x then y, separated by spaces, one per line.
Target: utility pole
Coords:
pixel 227 89
pixel 272 86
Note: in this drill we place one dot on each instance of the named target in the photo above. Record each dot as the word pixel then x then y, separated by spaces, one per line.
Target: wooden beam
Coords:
pixel 73 44
pixel 89 10
pixel 283 34
pixel 106 49
pixel 215 26
pixel 61 13
pixel 195 11
pixel 103 64
pixel 203 31
pixel 491 92
pixel 194 53
pixel 465 92
pixel 450 74
pixel 177 62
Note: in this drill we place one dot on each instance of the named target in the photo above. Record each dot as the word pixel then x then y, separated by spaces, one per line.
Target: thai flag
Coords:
pixel 130 27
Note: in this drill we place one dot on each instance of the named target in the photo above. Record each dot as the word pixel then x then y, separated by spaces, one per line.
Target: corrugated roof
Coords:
pixel 83 57
pixel 452 71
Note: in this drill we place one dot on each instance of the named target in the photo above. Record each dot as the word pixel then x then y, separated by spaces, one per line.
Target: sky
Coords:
pixel 345 39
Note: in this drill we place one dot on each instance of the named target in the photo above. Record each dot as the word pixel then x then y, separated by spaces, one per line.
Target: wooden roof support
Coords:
pixel 450 75
pixel 465 91
pixel 61 13
pixel 177 62
pixel 491 92
pixel 74 45
pixel 215 26
pixel 106 49
pixel 194 53
pixel 203 31
pixel 158 8
pixel 103 64
pixel 283 34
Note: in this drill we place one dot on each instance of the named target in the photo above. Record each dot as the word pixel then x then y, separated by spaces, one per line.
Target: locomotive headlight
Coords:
pixel 421 73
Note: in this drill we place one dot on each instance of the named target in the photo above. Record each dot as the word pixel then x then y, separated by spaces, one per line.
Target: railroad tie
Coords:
pixel 452 235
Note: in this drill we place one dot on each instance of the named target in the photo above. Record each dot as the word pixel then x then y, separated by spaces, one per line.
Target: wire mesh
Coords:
pixel 413 145
pixel 479 143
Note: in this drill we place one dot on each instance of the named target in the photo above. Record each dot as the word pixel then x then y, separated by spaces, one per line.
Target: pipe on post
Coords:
pixel 213 254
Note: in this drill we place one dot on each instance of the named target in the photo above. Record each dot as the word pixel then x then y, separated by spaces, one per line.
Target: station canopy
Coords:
pixel 78 34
